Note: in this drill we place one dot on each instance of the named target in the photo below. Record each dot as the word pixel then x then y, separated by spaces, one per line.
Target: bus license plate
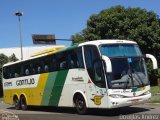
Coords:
pixel 136 101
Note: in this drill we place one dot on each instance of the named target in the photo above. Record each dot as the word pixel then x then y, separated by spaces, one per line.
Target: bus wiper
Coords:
pixel 123 81
pixel 130 75
pixel 127 83
pixel 140 79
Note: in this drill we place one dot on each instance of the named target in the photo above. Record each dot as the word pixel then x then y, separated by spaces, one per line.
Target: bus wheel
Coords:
pixel 17 103
pixel 23 103
pixel 80 105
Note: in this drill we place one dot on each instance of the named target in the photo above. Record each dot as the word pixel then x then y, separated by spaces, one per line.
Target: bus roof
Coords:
pixel 107 41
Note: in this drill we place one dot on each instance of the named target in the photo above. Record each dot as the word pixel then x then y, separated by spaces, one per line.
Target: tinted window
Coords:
pixel 75 58
pixel 60 61
pixel 120 50
pixel 94 65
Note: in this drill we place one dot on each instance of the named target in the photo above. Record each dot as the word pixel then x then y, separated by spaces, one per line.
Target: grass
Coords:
pixel 1 99
pixel 155 90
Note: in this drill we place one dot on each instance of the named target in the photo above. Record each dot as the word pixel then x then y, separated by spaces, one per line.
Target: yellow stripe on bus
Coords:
pixel 37 92
pixel 33 95
pixel 48 51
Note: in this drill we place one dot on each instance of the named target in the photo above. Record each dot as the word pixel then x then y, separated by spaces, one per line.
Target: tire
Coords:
pixel 23 103
pixel 80 105
pixel 17 103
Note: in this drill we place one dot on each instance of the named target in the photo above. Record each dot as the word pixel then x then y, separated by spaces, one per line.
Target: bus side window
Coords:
pixel 10 72
pixel 26 68
pixel 63 65
pixel 75 58
pixel 53 64
pixel 27 72
pixel 47 64
pixel 39 69
pixel 46 68
pixel 91 56
pixel 62 61
pixel 40 65
pixel 5 73
pixel 80 62
pixel 16 75
pixel 32 68
pixel 17 71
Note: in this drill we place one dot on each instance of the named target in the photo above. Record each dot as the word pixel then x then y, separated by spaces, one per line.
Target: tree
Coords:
pixel 12 58
pixel 119 22
pixel 3 60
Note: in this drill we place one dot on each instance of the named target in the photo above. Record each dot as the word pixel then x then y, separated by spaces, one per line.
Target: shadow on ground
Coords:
pixel 97 112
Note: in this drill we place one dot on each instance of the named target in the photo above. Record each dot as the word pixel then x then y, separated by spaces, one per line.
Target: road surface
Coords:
pixel 144 111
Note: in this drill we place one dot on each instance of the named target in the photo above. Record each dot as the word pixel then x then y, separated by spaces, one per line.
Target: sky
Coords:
pixel 60 17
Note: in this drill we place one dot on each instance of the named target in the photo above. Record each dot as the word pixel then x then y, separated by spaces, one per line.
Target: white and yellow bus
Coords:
pixel 96 74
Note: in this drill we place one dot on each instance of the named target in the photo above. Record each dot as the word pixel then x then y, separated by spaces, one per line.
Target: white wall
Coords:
pixel 27 51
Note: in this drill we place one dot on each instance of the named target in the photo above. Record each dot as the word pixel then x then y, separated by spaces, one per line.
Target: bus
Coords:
pixel 101 74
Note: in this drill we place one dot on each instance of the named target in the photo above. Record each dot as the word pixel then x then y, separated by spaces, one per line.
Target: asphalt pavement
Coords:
pixel 138 112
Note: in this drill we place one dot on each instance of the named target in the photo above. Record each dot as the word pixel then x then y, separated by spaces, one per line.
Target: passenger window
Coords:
pixel 46 68
pixel 75 58
pixel 5 75
pixel 32 68
pixel 17 70
pixel 39 70
pixel 54 65
pixel 62 61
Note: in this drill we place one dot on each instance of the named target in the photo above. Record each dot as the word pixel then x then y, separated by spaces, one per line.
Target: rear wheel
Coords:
pixel 80 105
pixel 23 103
pixel 17 103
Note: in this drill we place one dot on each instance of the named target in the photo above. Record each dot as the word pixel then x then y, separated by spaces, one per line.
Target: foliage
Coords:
pixel 155 90
pixel 12 58
pixel 1 99
pixel 3 60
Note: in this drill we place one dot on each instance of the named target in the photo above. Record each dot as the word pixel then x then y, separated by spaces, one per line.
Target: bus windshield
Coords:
pixel 120 50
pixel 128 66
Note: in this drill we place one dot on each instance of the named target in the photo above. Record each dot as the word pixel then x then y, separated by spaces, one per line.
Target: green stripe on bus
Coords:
pixel 58 87
pixel 48 88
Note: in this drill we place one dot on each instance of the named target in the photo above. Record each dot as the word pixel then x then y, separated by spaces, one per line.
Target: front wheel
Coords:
pixel 80 105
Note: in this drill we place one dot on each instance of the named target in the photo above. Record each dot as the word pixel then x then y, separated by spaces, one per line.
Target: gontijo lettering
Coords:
pixel 25 82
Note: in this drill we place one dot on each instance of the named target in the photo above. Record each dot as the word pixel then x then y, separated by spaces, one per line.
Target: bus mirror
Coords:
pixel 108 63
pixel 154 61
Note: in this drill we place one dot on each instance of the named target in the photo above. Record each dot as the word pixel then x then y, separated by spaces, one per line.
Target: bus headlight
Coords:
pixel 116 96
pixel 147 92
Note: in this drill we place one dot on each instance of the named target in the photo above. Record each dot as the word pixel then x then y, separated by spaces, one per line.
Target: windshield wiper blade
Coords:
pixel 140 79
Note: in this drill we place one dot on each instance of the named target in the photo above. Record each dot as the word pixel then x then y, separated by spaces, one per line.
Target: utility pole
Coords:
pixel 19 14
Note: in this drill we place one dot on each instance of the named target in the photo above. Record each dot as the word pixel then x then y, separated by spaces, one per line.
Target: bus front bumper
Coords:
pixel 122 102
